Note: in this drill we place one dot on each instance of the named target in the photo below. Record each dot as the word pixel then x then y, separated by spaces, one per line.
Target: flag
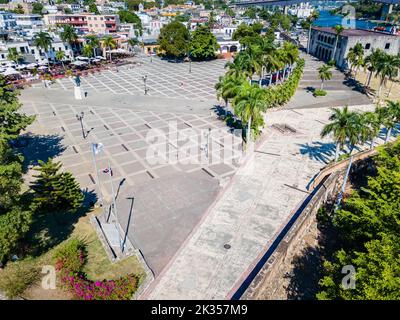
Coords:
pixel 97 148
pixel 108 170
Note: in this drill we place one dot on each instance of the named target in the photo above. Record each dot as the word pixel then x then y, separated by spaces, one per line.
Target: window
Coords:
pixel 367 46
pixel 387 46
pixel 33 51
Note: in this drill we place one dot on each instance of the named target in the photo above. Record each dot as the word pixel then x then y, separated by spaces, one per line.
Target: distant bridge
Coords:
pixel 284 3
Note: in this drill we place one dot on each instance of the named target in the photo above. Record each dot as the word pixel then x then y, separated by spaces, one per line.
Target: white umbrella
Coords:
pixel 100 57
pixel 82 58
pixel 42 68
pixel 31 66
pixel 10 71
pixel 79 63
pixel 20 67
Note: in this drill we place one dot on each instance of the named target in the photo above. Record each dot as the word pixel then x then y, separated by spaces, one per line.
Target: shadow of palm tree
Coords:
pixel 319 151
pixel 355 85
pixel 39 147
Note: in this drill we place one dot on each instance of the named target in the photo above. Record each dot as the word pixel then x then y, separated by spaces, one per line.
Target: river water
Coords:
pixel 327 20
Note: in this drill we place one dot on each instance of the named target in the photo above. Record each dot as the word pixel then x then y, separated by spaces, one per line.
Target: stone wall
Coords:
pixel 272 276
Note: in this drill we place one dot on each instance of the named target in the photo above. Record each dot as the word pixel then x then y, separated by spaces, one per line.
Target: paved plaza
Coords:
pixel 161 197
pixel 198 217
pixel 164 79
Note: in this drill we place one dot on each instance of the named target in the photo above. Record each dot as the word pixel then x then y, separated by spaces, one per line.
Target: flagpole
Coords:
pixel 114 206
pixel 97 176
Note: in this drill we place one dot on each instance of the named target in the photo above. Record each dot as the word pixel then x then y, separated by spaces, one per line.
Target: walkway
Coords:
pixel 247 216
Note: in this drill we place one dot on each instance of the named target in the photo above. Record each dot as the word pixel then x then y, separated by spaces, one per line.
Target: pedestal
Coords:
pixel 78 93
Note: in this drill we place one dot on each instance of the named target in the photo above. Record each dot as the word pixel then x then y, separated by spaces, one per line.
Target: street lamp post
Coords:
pixel 80 119
pixel 145 86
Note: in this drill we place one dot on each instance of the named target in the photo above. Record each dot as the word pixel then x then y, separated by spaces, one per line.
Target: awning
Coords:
pixel 79 63
pixel 10 71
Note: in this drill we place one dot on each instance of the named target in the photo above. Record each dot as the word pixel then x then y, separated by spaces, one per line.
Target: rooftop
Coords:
pixel 354 32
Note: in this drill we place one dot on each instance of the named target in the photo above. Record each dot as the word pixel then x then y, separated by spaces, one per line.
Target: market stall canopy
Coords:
pixel 79 63
pixel 10 72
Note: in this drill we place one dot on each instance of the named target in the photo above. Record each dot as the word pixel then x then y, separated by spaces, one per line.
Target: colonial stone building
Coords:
pixel 323 40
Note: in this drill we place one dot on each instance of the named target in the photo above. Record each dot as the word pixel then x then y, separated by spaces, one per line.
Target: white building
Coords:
pixel 7 21
pixel 29 21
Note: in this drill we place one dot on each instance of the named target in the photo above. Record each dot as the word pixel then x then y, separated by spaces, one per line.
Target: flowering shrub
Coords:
pixel 70 260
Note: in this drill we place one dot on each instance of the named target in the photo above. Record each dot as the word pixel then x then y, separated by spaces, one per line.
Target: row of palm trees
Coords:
pixel 44 40
pixel 357 128
pixel 378 63
pixel 264 59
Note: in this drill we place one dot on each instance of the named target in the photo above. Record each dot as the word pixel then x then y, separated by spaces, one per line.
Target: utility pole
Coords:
pixel 340 196
pixel 80 119
pixel 97 172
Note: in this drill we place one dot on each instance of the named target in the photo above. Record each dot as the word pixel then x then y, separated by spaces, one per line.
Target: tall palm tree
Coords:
pixel 109 43
pixel 249 104
pixel 371 63
pixel 324 73
pixel 395 61
pixel 227 87
pixel 356 58
pixel 338 30
pixel 94 42
pixel 69 35
pixel 43 40
pixel 291 55
pixel 87 51
pixel 387 69
pixel 271 59
pixel 60 55
pixel 341 126
pixel 372 126
pixel 14 55
pixel 390 116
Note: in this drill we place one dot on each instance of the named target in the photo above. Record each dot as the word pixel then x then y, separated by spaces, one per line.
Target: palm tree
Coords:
pixel 43 40
pixel 13 55
pixel 371 63
pixel 87 51
pixel 227 87
pixel 390 116
pixel 314 15
pixel 271 59
pixel 372 123
pixel 356 57
pixel 338 30
pixel 249 104
pixel 109 43
pixel 133 42
pixel 395 61
pixel 291 55
pixel 341 126
pixel 324 73
pixel 387 69
pixel 60 55
pixel 69 35
pixel 94 42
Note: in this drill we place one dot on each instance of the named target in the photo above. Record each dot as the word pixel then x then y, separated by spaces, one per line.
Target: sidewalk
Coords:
pixel 248 215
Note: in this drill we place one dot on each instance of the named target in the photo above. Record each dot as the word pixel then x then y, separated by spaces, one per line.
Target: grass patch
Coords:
pixel 319 93
pixel 98 265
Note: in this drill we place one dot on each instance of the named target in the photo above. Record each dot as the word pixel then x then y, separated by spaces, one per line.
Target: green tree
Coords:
pixel 11 121
pixel 371 63
pixel 249 105
pixel 338 30
pixel 126 16
pixel 87 51
pixel 356 58
pixel 93 8
pixel 203 44
pixel 37 8
pixel 43 40
pixel 341 126
pixel 55 191
pixel 174 40
pixel 109 43
pixel 69 35
pixel 60 56
pixel 324 73
pixel 94 42
pixel 227 87
pixel 14 55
